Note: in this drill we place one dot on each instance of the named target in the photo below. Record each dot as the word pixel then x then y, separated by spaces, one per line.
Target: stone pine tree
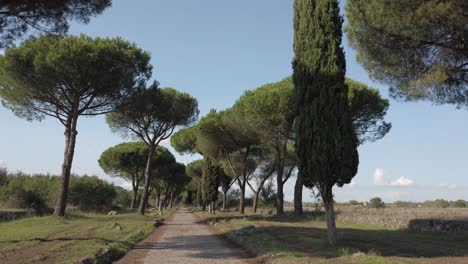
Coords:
pixel 67 78
pixel 151 116
pixel 18 17
pixel 326 144
pixel 127 161
pixel 418 47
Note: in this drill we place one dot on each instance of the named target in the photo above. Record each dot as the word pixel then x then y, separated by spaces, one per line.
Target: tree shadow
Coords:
pixel 198 246
pixel 312 241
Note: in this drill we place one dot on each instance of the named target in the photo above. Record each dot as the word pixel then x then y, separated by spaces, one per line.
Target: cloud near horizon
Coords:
pixel 379 179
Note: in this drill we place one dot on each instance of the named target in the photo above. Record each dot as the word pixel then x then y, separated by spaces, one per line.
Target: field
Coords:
pixel 365 236
pixel 72 238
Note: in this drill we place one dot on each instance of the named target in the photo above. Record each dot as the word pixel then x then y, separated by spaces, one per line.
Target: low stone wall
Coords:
pixel 436 225
pixel 6 216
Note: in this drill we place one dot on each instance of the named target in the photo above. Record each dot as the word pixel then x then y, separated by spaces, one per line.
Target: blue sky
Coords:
pixel 216 50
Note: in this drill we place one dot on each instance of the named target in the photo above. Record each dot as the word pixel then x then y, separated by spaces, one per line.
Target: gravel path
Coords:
pixel 183 240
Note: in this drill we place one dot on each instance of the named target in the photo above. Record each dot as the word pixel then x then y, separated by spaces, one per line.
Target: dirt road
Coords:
pixel 183 240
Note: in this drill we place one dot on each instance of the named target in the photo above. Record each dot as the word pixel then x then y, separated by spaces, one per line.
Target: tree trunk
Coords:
pixel 242 197
pixel 213 206
pixel 203 206
pixel 171 201
pixel 158 197
pixel 134 198
pixel 70 140
pixel 327 197
pixel 279 193
pixel 255 202
pixel 298 195
pixel 224 201
pixel 145 195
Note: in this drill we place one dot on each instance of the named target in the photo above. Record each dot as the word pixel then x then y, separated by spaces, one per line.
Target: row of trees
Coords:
pixel 68 77
pixel 253 141
pixel 128 161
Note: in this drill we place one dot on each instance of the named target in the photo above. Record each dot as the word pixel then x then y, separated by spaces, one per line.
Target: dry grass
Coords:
pixel 292 239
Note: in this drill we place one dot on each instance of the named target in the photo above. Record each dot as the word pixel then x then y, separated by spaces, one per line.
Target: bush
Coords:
pixel 123 197
pixel 268 195
pixel 90 193
pixel 376 202
pixel 441 203
pixel 459 204
pixel 353 202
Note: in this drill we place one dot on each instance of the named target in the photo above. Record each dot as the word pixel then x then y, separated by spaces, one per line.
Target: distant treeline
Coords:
pixel 38 192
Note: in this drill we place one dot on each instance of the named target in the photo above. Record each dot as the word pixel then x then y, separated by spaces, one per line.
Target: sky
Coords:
pixel 216 50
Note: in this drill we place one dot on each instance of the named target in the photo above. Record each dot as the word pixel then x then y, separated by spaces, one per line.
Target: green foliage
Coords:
pixel 459 203
pixel 211 177
pixel 153 113
pixel 122 198
pixel 268 195
pixel 195 168
pixel 126 160
pixel 418 47
pixel 376 202
pixel 441 203
pixel 353 202
pixel 19 17
pixel 90 193
pixel 268 109
pixel 325 141
pixel 3 177
pixel 29 192
pixel 368 110
pixel 64 77
pixel 184 141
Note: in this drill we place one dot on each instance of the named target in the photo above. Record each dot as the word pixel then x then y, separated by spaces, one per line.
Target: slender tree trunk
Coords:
pixel 327 197
pixel 134 198
pixel 213 206
pixel 242 196
pixel 224 201
pixel 203 206
pixel 298 195
pixel 145 195
pixel 171 201
pixel 255 202
pixel 279 193
pixel 70 140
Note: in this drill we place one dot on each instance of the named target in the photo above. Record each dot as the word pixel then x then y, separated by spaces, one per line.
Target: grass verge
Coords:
pixel 72 238
pixel 290 239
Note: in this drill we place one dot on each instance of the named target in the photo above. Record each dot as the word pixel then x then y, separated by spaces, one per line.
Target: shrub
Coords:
pixel 90 193
pixel 122 198
pixel 353 202
pixel 268 195
pixel 441 203
pixel 459 204
pixel 376 202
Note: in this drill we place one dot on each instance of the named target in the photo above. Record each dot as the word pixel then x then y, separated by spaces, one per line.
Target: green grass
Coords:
pixel 300 240
pixel 67 239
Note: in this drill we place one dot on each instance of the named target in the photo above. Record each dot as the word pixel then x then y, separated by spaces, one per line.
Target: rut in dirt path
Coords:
pixel 182 240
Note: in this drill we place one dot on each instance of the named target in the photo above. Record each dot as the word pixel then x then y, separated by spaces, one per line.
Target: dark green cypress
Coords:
pixel 211 181
pixel 326 144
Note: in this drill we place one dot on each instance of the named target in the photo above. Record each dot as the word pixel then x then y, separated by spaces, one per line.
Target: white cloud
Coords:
pixel 402 181
pixel 380 180
pixel 3 164
pixel 379 177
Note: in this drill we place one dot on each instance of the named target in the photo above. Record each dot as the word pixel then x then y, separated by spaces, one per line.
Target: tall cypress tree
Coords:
pixel 326 144
pixel 211 181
